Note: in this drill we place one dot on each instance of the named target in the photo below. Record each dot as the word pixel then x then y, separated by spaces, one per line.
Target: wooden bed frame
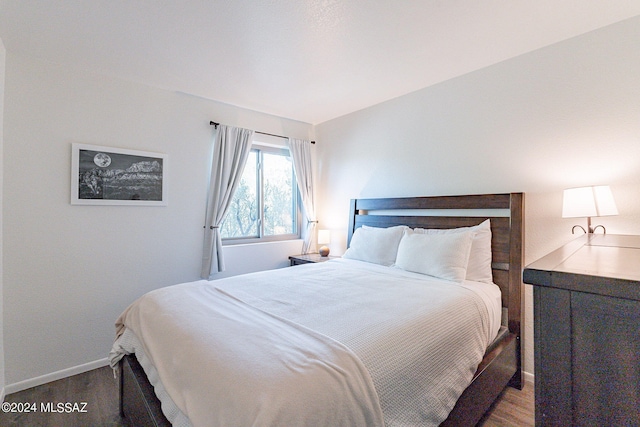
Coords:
pixel 502 364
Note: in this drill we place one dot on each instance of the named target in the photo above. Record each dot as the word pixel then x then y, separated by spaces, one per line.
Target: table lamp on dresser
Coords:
pixel 587 202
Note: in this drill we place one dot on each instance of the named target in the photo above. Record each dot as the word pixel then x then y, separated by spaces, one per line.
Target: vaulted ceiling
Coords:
pixel 308 60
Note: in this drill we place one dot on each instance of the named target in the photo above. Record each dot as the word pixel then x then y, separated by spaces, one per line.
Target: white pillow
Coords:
pixel 479 267
pixel 376 245
pixel 443 255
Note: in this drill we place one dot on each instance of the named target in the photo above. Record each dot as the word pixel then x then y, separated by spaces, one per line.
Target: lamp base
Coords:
pixel 590 229
pixel 323 251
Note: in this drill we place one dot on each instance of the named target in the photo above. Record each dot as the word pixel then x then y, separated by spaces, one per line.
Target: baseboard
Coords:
pixel 529 378
pixel 58 375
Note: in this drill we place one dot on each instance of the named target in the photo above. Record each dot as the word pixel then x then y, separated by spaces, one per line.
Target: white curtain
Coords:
pixel 301 155
pixel 230 152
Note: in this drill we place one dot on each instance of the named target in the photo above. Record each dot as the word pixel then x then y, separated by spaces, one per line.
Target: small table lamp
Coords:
pixel 587 202
pixel 324 238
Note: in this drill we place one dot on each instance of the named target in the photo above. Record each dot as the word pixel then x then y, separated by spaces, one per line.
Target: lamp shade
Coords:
pixel 588 202
pixel 605 205
pixel 324 237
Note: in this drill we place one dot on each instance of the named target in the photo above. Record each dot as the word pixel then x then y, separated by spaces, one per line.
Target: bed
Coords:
pixel 366 392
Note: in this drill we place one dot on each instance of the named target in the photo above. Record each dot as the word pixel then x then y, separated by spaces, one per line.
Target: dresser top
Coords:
pixel 600 263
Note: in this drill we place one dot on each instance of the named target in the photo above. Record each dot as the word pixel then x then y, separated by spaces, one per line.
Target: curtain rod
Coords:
pixel 215 125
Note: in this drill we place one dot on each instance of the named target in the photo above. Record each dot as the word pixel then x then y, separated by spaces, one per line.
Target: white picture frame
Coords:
pixel 117 176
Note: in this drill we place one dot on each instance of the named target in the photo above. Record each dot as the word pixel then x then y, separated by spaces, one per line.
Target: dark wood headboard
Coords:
pixel 507 230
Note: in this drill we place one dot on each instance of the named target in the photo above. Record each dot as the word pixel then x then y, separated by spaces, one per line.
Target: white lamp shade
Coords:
pixel 588 202
pixel 578 202
pixel 604 201
pixel 324 237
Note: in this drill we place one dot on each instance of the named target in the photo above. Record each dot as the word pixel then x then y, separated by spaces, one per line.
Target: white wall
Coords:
pixel 566 115
pixel 69 271
pixel 3 55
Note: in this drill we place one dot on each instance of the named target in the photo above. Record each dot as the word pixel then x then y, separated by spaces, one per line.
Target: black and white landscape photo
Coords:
pixel 115 176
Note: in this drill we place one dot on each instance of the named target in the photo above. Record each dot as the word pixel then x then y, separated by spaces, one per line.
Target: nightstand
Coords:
pixel 309 259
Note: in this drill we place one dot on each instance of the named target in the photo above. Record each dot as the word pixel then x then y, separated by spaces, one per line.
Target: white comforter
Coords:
pixel 338 343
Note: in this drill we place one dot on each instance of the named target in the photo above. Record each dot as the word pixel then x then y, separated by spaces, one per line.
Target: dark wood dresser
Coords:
pixel 587 332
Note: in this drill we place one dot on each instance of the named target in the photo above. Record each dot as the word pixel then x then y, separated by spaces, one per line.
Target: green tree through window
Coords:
pixel 265 205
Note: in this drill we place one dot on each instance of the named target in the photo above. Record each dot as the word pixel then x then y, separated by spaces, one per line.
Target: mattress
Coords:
pixel 405 345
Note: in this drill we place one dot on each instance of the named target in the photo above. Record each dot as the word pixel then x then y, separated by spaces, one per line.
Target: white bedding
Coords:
pixel 405 345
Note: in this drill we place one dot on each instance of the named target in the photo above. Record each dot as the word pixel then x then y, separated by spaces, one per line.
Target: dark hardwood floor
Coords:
pixel 99 390
pixel 514 408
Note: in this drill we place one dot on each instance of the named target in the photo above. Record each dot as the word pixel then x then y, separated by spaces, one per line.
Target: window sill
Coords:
pixel 253 242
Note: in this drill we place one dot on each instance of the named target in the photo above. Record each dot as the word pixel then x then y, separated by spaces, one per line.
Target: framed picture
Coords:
pixel 115 176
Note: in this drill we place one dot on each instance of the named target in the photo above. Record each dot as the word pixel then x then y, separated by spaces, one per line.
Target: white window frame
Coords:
pixel 266 144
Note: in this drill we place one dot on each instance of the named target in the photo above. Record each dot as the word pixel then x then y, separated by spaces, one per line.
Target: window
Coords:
pixel 265 204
